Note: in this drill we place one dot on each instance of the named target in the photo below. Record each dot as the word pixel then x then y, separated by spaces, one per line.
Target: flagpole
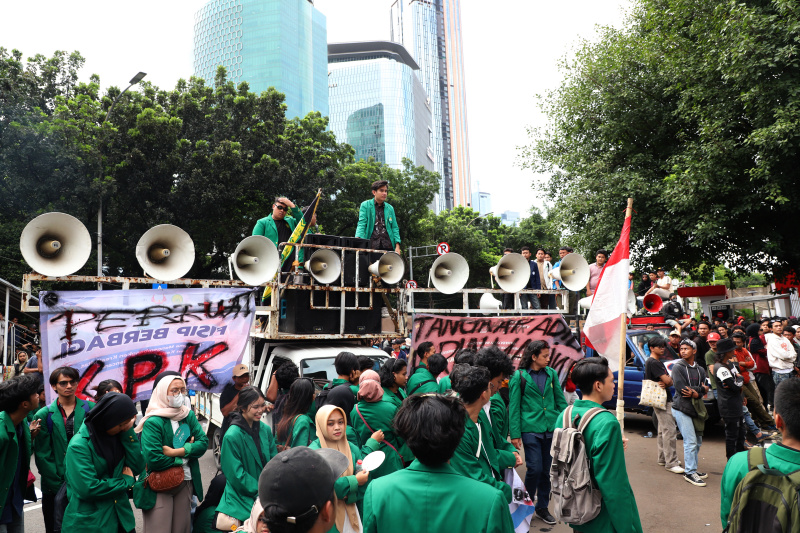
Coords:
pixel 622 344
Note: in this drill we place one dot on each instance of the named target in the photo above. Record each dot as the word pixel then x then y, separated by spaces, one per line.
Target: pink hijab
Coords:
pixel 369 386
pixel 159 404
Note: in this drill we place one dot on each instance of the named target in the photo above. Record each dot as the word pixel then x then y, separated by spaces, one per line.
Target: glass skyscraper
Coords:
pixel 431 31
pixel 267 43
pixel 377 103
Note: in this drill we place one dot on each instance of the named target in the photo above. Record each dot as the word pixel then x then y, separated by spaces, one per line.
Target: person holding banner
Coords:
pixel 171 437
pixel 443 500
pixel 371 414
pixel 60 422
pixel 279 226
pixel 101 463
pixel 535 399
pixel 246 449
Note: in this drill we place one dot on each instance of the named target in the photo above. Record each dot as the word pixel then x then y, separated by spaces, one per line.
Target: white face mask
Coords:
pixel 176 401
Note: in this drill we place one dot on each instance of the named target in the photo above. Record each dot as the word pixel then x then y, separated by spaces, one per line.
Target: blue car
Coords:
pixel 636 352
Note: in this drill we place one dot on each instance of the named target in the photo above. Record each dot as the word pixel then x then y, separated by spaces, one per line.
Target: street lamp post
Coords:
pixel 477 217
pixel 136 79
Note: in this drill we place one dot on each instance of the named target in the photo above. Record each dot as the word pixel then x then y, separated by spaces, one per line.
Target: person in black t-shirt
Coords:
pixel 729 396
pixel 654 370
pixel 230 394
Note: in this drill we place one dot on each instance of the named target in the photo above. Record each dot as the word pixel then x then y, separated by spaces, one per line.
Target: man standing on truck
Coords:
pixel 278 227
pixel 230 394
pixel 377 221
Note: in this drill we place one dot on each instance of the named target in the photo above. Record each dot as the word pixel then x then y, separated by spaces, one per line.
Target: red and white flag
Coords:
pixel 604 325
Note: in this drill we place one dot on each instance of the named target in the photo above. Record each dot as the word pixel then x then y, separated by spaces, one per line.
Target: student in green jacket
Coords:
pixel 278 227
pixel 497 362
pixel 102 462
pixel 605 448
pixel 425 350
pixel 205 515
pixel 60 422
pixel 424 379
pixel 394 376
pixel 532 418
pixel 171 436
pixel 350 487
pixel 377 221
pixel 247 447
pixel 343 390
pixel 370 414
pixel 783 457
pixel 476 456
pixel 295 428
pixel 443 499
pixel 18 397
pixel 463 357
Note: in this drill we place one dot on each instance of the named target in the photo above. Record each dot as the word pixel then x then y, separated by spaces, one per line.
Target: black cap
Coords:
pixel 297 483
pixel 725 345
pixel 398 341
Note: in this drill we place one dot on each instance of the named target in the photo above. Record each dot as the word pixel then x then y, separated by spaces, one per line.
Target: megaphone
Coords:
pixel 512 272
pixel 324 265
pixel 631 302
pixel 652 303
pixel 488 301
pixel 165 252
pixel 390 268
pixel 585 303
pixel 256 260
pixel 55 244
pixel 573 272
pixel 449 273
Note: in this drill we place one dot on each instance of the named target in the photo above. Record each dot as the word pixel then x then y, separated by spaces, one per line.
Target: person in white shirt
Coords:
pixel 663 285
pixel 780 353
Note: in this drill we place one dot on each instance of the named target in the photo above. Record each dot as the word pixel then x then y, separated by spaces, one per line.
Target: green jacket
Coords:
pixel 380 415
pixel 204 521
pixel 476 457
pixel 445 385
pixel 779 457
pixel 96 501
pixel 441 500
pixel 498 412
pixel 51 449
pixel 340 381
pixel 421 376
pixel 539 408
pixel 157 432
pixel 603 438
pixel 347 488
pixel 366 221
pixel 389 396
pixel 303 431
pixel 266 227
pixel 242 465
pixel 9 453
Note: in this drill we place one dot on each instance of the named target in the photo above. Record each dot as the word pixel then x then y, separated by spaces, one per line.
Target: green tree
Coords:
pixel 692 109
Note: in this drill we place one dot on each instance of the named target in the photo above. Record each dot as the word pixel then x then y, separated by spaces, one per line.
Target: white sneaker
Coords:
pixel 676 470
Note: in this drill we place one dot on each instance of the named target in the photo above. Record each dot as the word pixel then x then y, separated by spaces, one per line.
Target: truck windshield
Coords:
pixel 322 367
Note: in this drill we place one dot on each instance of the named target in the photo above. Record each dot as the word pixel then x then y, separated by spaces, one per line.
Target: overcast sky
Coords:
pixel 510 55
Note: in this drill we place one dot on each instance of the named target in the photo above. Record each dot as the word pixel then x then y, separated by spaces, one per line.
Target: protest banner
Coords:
pixel 133 336
pixel 449 334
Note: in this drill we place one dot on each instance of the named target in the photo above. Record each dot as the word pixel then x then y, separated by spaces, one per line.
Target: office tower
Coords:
pixel 377 103
pixel 431 31
pixel 509 218
pixel 481 201
pixel 267 43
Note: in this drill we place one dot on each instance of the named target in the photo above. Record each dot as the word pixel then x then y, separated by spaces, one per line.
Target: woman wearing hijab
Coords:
pixel 256 523
pixel 101 463
pixel 295 427
pixel 171 436
pixel 247 447
pixel 371 414
pixel 350 487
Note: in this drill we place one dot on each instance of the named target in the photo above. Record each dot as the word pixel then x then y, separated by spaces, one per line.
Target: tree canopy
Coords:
pixel 692 109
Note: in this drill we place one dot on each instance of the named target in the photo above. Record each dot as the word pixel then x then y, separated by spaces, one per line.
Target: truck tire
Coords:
pixel 214 442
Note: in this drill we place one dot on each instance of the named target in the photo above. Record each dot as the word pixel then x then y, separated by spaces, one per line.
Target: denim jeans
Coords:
pixel 748 421
pixel 537 461
pixel 526 301
pixel 17 526
pixel 777 377
pixel 691 441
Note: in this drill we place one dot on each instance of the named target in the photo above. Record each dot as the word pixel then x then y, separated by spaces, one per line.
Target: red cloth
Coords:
pixel 746 363
pixel 760 356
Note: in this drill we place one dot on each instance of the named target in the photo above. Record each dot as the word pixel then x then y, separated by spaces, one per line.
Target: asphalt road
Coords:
pixel 666 502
